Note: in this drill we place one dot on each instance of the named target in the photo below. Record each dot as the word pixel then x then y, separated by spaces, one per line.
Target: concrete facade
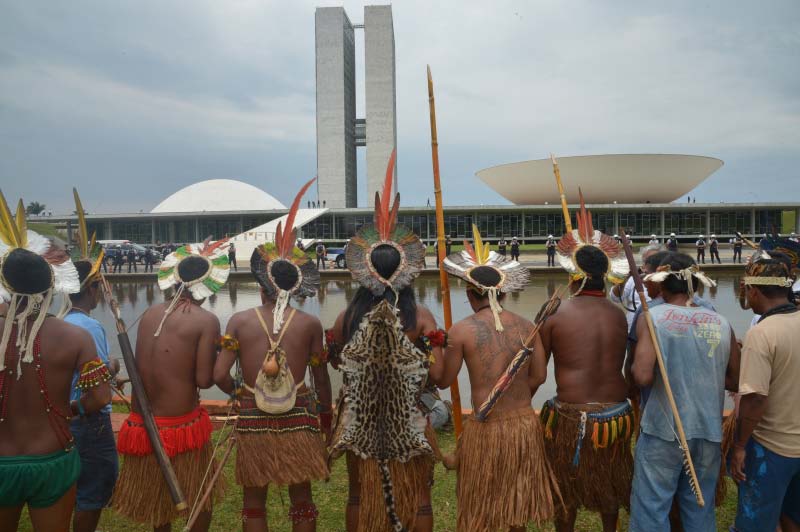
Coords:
pixel 337 183
pixel 381 99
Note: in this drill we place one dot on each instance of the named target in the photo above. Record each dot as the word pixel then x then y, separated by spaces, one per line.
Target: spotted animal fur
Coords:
pixel 383 374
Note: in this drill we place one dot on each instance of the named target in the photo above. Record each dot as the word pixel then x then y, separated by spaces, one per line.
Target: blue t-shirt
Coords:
pixel 696 345
pixel 100 341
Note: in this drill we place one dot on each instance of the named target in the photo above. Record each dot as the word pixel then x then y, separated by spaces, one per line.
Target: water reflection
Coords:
pixel 135 297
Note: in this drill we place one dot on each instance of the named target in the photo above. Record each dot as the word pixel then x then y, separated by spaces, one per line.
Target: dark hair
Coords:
pixel 654 260
pixel 677 262
pixel 192 267
pixel 779 265
pixel 385 259
pixel 25 272
pixel 364 301
pixel 284 274
pixel 594 262
pixel 487 276
pixel 83 267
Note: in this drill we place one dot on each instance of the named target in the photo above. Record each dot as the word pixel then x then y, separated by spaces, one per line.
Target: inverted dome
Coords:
pixel 219 195
pixel 634 178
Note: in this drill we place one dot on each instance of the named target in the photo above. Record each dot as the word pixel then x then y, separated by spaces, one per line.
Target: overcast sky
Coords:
pixel 130 101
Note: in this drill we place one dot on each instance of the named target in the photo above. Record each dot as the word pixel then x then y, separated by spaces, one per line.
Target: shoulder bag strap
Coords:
pixel 264 326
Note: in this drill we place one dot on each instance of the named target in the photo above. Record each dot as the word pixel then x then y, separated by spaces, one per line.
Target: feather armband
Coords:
pixel 92 374
pixel 228 343
pixel 318 359
pixel 437 338
pixel 333 349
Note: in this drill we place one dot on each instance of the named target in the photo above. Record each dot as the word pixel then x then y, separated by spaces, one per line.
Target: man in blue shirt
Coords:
pixel 94 436
pixel 702 360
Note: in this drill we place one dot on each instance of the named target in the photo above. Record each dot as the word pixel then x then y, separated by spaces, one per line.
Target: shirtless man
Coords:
pixel 175 349
pixel 500 456
pixel 283 449
pixel 35 405
pixel 589 422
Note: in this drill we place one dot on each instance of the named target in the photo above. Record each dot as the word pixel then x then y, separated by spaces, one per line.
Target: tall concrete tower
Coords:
pixel 336 108
pixel 339 132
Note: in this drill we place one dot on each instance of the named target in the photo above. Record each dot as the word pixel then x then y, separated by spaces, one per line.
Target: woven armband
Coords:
pixel 316 360
pixel 92 374
pixel 228 343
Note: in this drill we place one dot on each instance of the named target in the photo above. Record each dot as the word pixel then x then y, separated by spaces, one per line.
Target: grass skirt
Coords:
pixel 142 495
pixel 283 459
pixel 504 479
pixel 601 481
pixel 409 481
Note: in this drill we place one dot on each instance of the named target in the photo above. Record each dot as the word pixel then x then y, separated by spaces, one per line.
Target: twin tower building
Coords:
pixel 339 131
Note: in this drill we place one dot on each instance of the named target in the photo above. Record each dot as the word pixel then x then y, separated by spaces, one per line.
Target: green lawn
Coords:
pixel 331 498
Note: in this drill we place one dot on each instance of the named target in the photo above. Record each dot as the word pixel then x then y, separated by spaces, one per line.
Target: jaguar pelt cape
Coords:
pixel 384 374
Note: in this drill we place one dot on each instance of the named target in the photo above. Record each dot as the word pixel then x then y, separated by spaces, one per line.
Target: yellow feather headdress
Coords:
pixel 510 275
pixel 87 249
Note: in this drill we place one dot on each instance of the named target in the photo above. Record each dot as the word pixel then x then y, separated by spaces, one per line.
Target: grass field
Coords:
pixel 331 498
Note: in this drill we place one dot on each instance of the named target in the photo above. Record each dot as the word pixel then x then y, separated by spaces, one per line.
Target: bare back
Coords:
pixel 587 337
pixel 180 360
pixel 301 339
pixel 26 429
pixel 487 353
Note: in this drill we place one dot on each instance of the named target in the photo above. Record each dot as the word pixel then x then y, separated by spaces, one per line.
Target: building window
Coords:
pixel 162 231
pixel 685 223
pixel 499 225
pixel 640 223
pixel 321 228
pixel 769 221
pixel 728 223
pixel 252 222
pixel 417 223
pixel 458 225
pixel 139 232
pixel 185 232
pixel 97 228
pixel 541 225
pixel 347 226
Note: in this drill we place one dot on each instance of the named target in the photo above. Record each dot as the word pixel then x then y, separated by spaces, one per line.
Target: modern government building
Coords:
pixel 641 194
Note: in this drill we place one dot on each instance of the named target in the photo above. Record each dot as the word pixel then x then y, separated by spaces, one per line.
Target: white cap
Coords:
pixel 713 236
pixel 652 236
pixel 549 236
pixel 701 236
pixel 616 236
pixel 672 234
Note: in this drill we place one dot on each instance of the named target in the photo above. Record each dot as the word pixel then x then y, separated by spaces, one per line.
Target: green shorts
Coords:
pixel 40 480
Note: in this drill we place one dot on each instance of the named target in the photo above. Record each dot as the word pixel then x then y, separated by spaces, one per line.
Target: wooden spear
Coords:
pixel 143 402
pixel 687 457
pixel 564 208
pixel 455 395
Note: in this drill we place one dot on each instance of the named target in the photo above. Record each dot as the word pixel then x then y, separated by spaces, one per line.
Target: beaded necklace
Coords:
pixel 54 414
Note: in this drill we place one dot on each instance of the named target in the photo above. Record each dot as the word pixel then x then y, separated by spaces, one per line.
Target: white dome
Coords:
pixel 219 195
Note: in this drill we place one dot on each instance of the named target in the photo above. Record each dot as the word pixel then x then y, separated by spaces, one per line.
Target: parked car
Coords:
pixel 336 256
pixel 111 249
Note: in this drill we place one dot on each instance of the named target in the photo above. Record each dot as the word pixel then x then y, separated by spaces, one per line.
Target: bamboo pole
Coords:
pixel 443 280
pixel 694 484
pixel 564 208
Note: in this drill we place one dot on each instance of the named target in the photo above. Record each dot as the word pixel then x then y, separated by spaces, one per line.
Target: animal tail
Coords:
pixel 388 496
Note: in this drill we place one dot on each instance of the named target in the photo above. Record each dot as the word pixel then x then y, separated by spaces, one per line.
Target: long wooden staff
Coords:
pixel 687 457
pixel 564 208
pixel 144 403
pixel 198 509
pixel 455 395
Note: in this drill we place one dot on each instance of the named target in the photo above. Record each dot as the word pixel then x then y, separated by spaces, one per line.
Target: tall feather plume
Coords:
pixel 22 225
pixel 83 235
pixel 471 251
pixel 481 249
pixel 585 227
pixel 386 218
pixel 285 236
pixel 9 231
pixel 209 248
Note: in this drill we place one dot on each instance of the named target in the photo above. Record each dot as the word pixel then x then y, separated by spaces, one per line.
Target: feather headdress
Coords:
pixel 757 272
pixel 509 275
pixel 587 235
pixel 87 249
pixel 385 231
pixel 26 302
pixel 205 279
pixel 283 250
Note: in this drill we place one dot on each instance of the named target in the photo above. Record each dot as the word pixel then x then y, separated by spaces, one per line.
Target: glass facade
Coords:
pixel 220 228
pixel 458 225
pixel 419 224
pixel 254 221
pixel 139 232
pixel 728 223
pixel 499 225
pixel 685 223
pixel 321 227
pixel 347 226
pixel 541 225
pixel 98 228
pixel 162 232
pixel 640 223
pixel 184 231
pixel 769 221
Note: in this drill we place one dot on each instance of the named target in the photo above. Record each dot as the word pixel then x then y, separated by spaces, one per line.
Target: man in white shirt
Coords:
pixel 626 295
pixel 701 250
pixel 654 241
